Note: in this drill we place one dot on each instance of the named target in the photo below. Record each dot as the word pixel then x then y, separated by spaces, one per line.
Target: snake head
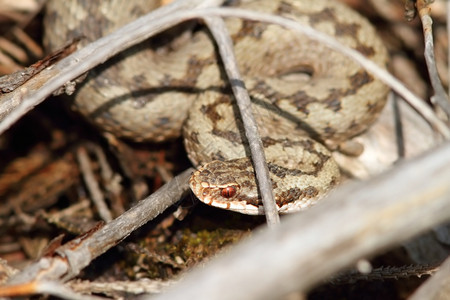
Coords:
pixel 232 184
pixel 228 185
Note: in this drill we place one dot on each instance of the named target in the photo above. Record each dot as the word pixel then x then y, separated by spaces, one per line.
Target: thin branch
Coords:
pixel 448 39
pixel 371 216
pixel 398 126
pixel 439 97
pixel 225 45
pixel 53 288
pixel 92 185
pixel 57 289
pixel 383 273
pixel 130 287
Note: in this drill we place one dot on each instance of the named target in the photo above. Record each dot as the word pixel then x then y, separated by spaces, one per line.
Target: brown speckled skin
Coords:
pixel 303 93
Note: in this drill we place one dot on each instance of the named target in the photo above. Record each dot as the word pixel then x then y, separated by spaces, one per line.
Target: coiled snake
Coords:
pixel 304 95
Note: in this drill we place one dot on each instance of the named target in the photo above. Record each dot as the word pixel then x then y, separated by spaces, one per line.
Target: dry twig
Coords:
pixel 439 98
pixel 448 39
pixel 54 288
pixel 132 287
pixel 72 257
pixel 225 45
pixel 92 185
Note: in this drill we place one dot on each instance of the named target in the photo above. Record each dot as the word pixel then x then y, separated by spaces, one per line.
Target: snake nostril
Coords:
pixel 228 192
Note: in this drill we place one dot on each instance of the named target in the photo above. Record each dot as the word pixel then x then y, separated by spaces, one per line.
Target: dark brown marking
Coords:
pixel 353 126
pixel 372 108
pixel 333 101
pixel 193 70
pixel 327 14
pixel 334 181
pixel 250 29
pixel 194 137
pixel 295 194
pixel 210 110
pixel 140 79
pixel 359 79
pixel 329 131
pixel 262 88
pixel 282 172
pixel 251 201
pixel 311 192
pixel 343 29
pixel 218 155
pixel 195 67
pixel 231 136
pixel 284 8
pixel 300 99
pixel 365 50
pixel 285 143
pixel 289 196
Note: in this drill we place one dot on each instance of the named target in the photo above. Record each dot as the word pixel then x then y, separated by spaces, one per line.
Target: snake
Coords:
pixel 307 99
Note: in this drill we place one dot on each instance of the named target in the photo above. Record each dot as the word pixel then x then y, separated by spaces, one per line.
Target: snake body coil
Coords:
pixel 304 95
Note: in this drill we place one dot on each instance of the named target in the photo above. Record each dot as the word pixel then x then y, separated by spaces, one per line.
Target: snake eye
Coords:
pixel 228 192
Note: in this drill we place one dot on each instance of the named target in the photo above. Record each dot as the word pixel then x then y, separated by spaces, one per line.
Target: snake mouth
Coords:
pixel 250 209
pixel 237 206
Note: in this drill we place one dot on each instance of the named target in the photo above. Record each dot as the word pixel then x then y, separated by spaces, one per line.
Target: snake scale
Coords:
pixel 306 98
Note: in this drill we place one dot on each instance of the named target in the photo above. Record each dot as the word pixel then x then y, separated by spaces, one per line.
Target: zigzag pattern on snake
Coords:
pixel 304 95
